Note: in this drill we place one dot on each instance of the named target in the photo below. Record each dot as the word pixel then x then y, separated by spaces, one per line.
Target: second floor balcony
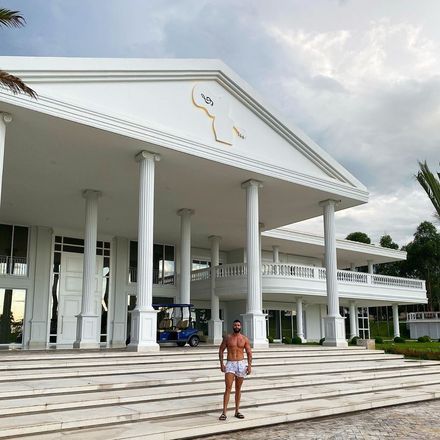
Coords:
pixel 16 266
pixel 280 278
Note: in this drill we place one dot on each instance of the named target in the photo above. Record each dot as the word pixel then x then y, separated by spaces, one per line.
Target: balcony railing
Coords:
pixel 13 266
pixel 307 272
pixel 158 277
pixel 416 316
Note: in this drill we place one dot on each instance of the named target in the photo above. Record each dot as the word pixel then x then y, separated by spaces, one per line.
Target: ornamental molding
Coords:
pixel 217 107
pixel 174 141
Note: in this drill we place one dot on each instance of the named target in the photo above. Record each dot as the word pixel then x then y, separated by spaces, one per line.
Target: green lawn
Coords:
pixel 413 349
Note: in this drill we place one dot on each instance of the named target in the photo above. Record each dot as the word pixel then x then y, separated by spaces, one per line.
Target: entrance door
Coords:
pixel 69 305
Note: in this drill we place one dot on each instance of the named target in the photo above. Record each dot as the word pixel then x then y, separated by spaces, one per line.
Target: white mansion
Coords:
pixel 132 182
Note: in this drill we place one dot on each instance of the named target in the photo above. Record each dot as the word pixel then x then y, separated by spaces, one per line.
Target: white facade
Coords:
pixel 229 167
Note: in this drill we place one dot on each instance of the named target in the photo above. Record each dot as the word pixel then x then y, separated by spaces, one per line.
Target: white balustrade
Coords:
pixel 284 270
pixel 13 266
pixel 201 274
pixel 414 316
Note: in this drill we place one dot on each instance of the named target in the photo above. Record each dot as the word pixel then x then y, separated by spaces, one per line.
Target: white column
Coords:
pixel 353 320
pixel 334 323
pixel 88 321
pixel 144 317
pixel 276 254
pixel 299 319
pixel 215 325
pixel 396 320
pixel 185 255
pixel 370 266
pixel 260 241
pixel 254 321
pixel 4 119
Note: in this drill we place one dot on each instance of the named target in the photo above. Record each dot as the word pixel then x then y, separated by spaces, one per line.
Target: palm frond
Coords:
pixel 430 184
pixel 15 84
pixel 10 18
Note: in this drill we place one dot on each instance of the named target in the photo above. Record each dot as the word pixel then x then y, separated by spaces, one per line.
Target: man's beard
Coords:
pixel 237 330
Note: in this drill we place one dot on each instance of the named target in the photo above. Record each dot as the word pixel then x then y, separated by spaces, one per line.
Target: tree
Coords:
pixel 360 237
pixel 431 184
pixel 394 268
pixel 10 18
pixel 423 260
pixel 387 242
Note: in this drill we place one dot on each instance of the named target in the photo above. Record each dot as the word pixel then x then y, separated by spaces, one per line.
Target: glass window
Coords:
pixel 13 250
pixel 200 264
pixel 74 241
pixel 12 303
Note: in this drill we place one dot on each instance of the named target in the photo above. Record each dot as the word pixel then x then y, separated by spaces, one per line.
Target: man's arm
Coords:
pixel 247 347
pixel 221 350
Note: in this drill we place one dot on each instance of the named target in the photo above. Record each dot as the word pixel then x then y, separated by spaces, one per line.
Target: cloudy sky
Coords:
pixel 361 77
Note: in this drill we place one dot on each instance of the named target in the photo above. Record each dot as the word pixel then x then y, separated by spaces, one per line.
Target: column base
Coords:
pixel 87 331
pixel 215 331
pixel 303 339
pixel 334 332
pixel 254 327
pixel 143 331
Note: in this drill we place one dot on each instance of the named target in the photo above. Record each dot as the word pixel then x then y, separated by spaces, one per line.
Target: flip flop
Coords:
pixel 239 415
pixel 222 417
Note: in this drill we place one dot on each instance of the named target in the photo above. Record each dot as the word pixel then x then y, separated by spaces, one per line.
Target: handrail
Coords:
pixel 13 265
pixel 285 270
pixel 415 316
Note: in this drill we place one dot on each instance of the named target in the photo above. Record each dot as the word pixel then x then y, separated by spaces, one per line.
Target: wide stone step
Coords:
pixel 268 404
pixel 38 386
pixel 75 371
pixel 342 383
pixel 181 427
pixel 49 362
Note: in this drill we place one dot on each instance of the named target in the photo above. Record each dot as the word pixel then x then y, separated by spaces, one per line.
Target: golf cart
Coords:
pixel 175 324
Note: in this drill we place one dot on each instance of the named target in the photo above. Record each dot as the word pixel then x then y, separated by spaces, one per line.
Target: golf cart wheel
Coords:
pixel 194 341
pixel 181 343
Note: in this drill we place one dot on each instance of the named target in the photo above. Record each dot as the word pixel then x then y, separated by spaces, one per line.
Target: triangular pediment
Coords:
pixel 199 106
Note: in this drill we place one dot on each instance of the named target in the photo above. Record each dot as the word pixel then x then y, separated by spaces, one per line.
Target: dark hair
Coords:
pixel 237 320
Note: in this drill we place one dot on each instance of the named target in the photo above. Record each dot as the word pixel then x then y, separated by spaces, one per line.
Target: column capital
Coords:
pixel 328 202
pixel 252 182
pixel 147 155
pixel 185 211
pixel 276 246
pixel 214 238
pixel 6 117
pixel 91 194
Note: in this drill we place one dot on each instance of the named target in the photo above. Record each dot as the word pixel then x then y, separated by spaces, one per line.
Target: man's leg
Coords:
pixel 238 384
pixel 229 380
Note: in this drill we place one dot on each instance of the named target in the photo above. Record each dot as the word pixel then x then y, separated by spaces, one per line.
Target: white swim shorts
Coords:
pixel 239 368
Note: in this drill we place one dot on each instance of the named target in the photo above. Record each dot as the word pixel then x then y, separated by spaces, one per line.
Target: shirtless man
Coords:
pixel 236 367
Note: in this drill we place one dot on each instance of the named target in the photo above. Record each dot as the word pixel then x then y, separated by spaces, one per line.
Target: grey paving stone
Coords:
pixel 404 422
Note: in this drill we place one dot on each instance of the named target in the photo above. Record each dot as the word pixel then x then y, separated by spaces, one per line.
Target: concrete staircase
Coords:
pixel 177 393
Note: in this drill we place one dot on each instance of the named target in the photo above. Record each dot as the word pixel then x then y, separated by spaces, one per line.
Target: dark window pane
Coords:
pixel 99 251
pixel 56 262
pixel 169 253
pixel 107 245
pixel 133 253
pixel 5 240
pixel 74 241
pixel 106 252
pixel 157 264
pixel 20 241
pixel 99 244
pixel 58 239
pixel 75 249
pixel 12 314
pixel 58 247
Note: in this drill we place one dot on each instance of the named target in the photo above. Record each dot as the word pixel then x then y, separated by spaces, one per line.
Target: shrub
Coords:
pixel 399 340
pixel 296 340
pixel 378 340
pixel 353 341
pixel 321 341
pixel 287 340
pixel 270 339
pixel 424 339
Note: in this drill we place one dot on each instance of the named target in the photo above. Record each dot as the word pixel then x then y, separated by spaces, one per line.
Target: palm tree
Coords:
pixel 10 18
pixel 431 184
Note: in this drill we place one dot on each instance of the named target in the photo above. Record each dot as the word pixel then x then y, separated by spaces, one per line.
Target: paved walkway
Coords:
pixel 412 421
